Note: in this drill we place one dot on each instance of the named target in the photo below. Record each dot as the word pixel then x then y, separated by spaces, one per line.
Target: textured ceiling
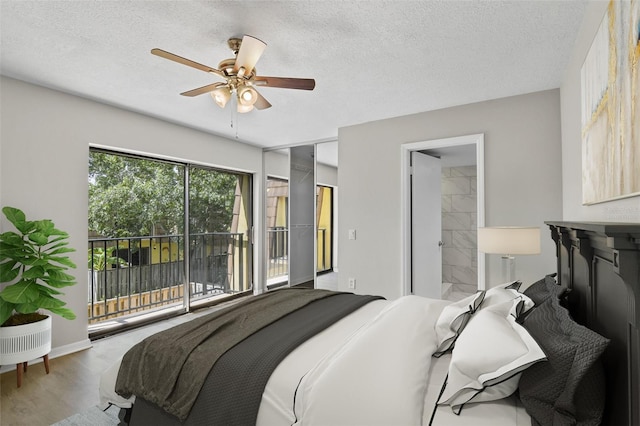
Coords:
pixel 370 59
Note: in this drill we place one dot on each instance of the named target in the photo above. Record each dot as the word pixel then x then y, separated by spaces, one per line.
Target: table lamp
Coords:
pixel 509 241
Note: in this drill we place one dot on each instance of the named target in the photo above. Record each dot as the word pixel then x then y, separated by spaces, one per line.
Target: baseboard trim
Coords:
pixel 55 353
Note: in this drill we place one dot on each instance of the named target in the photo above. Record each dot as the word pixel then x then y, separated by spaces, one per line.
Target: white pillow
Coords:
pixel 520 303
pixel 488 358
pixel 453 319
pixel 515 285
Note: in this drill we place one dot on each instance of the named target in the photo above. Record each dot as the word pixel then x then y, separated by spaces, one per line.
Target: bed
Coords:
pixel 358 369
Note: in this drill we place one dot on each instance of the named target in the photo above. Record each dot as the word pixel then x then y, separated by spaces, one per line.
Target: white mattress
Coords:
pixel 277 406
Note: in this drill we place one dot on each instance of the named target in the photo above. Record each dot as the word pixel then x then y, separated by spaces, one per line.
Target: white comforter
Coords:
pixel 373 367
pixel 379 376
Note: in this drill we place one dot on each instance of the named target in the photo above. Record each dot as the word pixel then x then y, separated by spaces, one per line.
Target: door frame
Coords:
pixel 405 204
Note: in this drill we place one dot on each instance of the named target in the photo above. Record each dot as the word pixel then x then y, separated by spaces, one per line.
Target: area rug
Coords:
pixel 94 416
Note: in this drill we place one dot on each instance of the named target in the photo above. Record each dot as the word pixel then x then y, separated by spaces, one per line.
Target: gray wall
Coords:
pixel 44 145
pixel 625 210
pixel 522 181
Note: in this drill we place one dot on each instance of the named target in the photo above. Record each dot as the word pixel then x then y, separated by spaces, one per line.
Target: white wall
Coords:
pixel 276 164
pixel 44 145
pixel 522 182
pixel 625 210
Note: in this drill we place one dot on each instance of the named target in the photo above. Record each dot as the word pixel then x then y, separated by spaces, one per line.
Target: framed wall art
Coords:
pixel 610 88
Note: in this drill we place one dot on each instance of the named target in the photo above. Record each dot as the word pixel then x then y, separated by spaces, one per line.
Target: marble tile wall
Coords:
pixel 459 235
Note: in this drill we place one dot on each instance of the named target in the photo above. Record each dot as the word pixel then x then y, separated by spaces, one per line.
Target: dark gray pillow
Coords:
pixel 514 285
pixel 543 289
pixel 568 389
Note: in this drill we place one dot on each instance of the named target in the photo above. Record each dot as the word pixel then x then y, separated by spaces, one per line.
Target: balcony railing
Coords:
pixel 278 252
pixel 130 275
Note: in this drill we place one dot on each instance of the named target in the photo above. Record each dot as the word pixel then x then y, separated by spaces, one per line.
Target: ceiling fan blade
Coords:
pixel 250 51
pixel 185 61
pixel 261 102
pixel 201 90
pixel 286 83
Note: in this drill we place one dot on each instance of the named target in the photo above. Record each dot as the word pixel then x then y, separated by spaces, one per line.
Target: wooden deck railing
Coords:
pixel 135 274
pixel 119 306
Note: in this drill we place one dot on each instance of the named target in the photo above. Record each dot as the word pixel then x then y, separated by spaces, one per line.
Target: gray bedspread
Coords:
pixel 232 392
pixel 169 368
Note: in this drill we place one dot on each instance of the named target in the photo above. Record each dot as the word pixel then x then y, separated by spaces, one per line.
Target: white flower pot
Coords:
pixel 22 343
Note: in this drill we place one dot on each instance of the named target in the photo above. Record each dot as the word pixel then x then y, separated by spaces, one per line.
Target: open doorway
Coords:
pixel 462 265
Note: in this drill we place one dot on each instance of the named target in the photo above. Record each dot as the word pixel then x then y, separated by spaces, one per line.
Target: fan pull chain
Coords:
pixel 234 113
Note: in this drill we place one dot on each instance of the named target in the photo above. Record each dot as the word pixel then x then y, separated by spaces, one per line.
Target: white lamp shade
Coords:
pixel 509 240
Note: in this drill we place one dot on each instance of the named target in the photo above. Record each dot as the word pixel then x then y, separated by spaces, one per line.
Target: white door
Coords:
pixel 426 226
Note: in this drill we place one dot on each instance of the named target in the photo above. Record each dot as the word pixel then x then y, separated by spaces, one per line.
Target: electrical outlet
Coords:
pixel 352 283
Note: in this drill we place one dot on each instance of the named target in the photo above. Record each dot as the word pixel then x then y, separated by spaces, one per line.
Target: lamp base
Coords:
pixel 508 268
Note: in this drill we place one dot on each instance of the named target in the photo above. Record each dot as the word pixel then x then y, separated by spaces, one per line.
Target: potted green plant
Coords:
pixel 33 260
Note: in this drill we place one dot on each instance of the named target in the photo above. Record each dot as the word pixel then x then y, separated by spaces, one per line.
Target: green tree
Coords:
pixel 132 197
pixel 211 200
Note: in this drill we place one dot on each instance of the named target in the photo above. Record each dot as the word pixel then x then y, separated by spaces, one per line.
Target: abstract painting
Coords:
pixel 610 86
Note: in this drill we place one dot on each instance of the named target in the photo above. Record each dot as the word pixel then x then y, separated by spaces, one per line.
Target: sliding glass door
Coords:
pixel 220 223
pixel 139 259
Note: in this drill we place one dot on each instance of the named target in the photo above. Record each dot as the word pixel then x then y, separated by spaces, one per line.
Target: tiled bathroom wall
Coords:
pixel 459 228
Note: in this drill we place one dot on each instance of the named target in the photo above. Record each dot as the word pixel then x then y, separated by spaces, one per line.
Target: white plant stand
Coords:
pixel 21 343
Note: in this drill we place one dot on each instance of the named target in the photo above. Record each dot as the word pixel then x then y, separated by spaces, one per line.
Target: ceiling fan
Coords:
pixel 240 76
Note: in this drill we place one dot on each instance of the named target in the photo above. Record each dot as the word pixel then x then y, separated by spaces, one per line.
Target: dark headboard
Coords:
pixel 600 263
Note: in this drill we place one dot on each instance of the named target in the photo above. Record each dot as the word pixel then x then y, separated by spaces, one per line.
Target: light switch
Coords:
pixel 352 234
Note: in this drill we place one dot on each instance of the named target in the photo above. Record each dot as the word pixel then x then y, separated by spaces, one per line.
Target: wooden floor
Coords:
pixel 72 385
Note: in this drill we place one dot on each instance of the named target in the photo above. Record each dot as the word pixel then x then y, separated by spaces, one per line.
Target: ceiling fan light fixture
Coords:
pixel 247 96
pixel 221 95
pixel 244 108
pixel 240 76
pixel 226 66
